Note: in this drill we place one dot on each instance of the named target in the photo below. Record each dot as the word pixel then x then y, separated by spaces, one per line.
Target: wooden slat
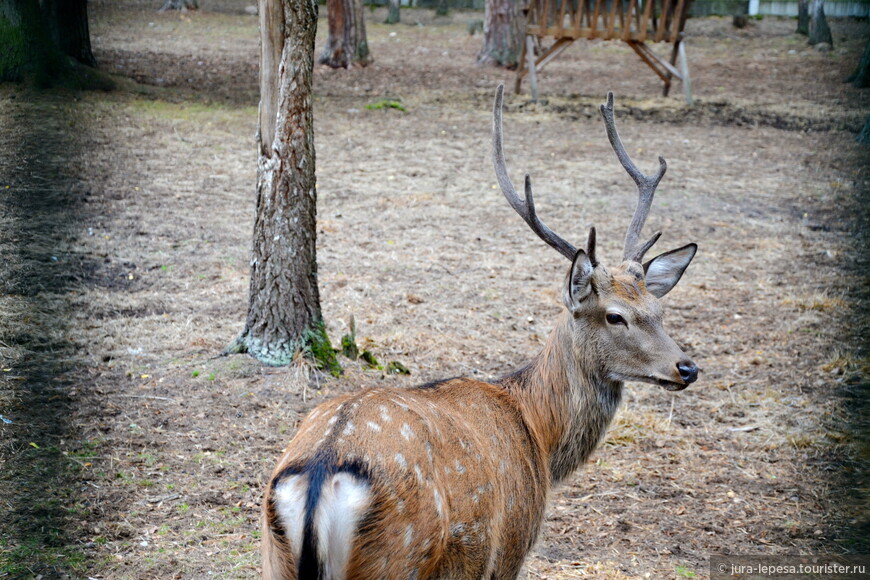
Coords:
pixel 679 17
pixel 647 10
pixel 594 27
pixel 632 9
pixel 639 48
pixel 663 20
pixel 561 24
pixel 554 51
pixel 611 20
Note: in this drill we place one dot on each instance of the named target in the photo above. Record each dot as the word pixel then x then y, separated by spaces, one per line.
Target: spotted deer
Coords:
pixel 449 480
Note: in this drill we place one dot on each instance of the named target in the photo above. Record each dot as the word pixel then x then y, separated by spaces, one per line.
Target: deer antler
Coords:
pixel 646 188
pixel 526 208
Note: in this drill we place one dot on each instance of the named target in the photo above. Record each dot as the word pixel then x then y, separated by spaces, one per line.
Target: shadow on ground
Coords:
pixel 40 209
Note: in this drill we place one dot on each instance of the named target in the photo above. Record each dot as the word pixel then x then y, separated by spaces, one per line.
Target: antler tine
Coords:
pixel 526 208
pixel 646 187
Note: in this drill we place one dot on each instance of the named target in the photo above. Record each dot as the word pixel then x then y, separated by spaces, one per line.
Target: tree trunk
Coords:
pixel 284 315
pixel 819 31
pixel 393 15
pixel 68 25
pixel 803 20
pixel 346 45
pixel 864 135
pixel 36 38
pixel 503 29
pixel 861 77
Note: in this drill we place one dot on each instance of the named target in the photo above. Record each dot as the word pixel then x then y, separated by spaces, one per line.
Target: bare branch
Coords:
pixel 646 187
pixel 526 208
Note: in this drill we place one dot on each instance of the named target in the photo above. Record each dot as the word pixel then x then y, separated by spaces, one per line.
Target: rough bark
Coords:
pixel 68 26
pixel 393 12
pixel 37 37
pixel 502 34
pixel 803 19
pixel 861 77
pixel 819 30
pixel 346 44
pixel 284 315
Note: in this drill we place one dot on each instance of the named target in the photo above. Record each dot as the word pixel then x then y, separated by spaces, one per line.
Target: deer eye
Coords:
pixel 615 319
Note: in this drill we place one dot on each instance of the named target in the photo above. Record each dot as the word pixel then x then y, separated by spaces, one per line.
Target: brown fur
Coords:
pixel 460 470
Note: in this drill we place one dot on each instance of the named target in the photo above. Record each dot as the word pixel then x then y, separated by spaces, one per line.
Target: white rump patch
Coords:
pixel 343 500
pixel 290 496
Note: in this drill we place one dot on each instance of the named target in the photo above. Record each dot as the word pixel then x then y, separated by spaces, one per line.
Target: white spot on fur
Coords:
pixel 400 459
pixel 419 473
pixel 409 535
pixel 438 507
pixel 406 431
pixel 385 415
pixel 343 500
pixel 332 420
pixel 290 494
pixel 460 469
pixel 374 426
pixel 348 429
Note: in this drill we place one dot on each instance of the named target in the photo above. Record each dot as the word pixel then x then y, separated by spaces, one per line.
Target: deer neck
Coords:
pixel 565 399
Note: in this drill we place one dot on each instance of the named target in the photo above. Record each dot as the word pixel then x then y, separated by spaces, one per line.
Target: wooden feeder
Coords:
pixel 633 21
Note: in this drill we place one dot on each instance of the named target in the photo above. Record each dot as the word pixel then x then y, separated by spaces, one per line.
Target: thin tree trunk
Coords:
pixel 861 77
pixel 393 14
pixel 284 315
pixel 346 44
pixel 803 19
pixel 502 34
pixel 819 30
pixel 864 135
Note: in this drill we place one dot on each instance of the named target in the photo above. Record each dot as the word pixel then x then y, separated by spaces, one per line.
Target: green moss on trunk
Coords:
pixel 314 345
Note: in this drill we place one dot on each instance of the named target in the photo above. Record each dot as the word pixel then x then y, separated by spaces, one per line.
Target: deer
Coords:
pixel 450 479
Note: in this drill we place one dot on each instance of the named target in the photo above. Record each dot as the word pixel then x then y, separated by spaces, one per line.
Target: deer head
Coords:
pixel 616 317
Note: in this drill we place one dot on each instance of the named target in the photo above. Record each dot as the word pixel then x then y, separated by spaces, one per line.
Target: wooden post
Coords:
pixel 533 75
pixel 684 70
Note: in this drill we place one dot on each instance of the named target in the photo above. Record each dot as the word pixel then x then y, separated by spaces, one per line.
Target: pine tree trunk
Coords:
pixel 26 47
pixel 864 135
pixel 502 34
pixel 346 44
pixel 803 19
pixel 393 14
pixel 819 30
pixel 861 77
pixel 68 25
pixel 284 315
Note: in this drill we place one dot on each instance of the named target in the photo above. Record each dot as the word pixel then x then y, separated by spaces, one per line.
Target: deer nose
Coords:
pixel 688 371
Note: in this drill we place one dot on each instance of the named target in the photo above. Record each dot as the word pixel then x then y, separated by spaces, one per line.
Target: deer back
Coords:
pixel 442 474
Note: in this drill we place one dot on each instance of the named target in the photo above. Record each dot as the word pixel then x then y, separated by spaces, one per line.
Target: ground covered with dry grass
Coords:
pixel 130 449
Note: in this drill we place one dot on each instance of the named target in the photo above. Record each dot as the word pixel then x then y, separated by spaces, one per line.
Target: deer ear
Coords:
pixel 665 270
pixel 579 284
